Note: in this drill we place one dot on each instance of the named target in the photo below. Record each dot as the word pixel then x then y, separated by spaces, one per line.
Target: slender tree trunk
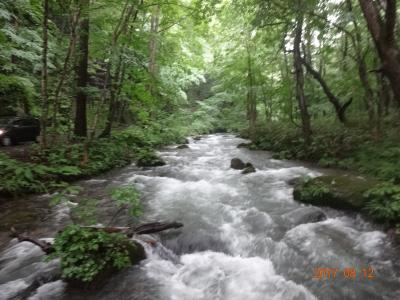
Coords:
pixel 64 72
pixel 44 93
pixel 382 31
pixel 299 75
pixel 362 68
pixel 154 26
pixel 121 27
pixel 339 108
pixel 82 76
pixel 251 97
pixel 113 99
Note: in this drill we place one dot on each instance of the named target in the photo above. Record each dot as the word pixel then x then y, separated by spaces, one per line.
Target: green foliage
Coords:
pixel 17 176
pixel 85 252
pixel 384 203
pixel 148 158
pixel 15 95
pixel 313 191
pixel 128 196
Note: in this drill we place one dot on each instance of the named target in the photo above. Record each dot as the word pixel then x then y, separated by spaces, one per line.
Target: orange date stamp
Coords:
pixel 321 273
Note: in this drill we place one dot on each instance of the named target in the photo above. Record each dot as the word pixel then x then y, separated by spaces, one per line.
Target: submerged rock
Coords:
pixel 244 145
pixel 343 192
pixel 304 215
pixel 249 168
pixel 197 138
pixel 184 146
pixel 237 164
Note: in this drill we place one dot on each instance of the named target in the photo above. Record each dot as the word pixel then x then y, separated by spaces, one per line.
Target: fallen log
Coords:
pixel 45 246
pixel 155 227
pixel 147 228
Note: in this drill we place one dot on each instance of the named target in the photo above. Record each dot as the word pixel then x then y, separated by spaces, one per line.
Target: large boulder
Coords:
pixel 304 215
pixel 237 164
pixel 342 192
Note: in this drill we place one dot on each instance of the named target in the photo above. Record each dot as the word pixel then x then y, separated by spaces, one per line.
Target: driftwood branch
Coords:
pixel 156 227
pixel 45 246
pixel 147 228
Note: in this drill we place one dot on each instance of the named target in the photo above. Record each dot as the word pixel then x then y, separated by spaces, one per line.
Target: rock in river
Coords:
pixel 184 146
pixel 304 215
pixel 343 192
pixel 237 164
pixel 249 168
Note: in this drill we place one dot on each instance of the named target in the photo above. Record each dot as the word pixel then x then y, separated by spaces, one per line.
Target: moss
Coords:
pixel 343 192
pixel 148 158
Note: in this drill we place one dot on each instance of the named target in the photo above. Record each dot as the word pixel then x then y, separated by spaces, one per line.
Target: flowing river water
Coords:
pixel 244 237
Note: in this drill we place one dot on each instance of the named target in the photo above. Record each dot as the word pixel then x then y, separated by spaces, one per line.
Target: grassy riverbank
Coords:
pixel 349 148
pixel 43 170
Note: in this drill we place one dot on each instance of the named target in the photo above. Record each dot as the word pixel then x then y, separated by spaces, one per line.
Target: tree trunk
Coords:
pixel 362 68
pixel 251 97
pixel 44 94
pixel 339 108
pixel 154 25
pixel 64 72
pixel 121 27
pixel 299 76
pixel 82 76
pixel 383 35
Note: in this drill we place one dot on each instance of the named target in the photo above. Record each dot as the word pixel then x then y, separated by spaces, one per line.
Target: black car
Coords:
pixel 16 129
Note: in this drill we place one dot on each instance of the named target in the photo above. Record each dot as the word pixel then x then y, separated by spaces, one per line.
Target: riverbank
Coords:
pixel 45 170
pixel 350 149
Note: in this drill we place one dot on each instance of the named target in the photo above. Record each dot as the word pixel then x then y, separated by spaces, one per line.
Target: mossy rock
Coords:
pixel 136 255
pixel 148 158
pixel 342 192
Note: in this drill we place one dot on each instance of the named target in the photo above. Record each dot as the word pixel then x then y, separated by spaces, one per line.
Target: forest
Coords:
pixel 114 83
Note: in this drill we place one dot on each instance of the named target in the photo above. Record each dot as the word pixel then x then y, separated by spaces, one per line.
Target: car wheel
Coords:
pixel 6 141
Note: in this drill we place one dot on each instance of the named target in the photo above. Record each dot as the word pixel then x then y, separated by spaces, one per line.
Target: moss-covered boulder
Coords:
pixel 342 192
pixel 148 158
pixel 89 256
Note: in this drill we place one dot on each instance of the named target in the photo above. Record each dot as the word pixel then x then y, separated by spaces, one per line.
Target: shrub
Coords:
pixel 310 191
pixel 384 203
pixel 86 252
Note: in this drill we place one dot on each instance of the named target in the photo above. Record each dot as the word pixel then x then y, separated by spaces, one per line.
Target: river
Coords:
pixel 244 237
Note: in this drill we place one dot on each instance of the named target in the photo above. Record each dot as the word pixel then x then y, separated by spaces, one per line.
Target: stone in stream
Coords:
pixel 249 168
pixel 244 145
pixel 342 192
pixel 197 138
pixel 237 164
pixel 23 270
pixel 304 215
pixel 184 146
